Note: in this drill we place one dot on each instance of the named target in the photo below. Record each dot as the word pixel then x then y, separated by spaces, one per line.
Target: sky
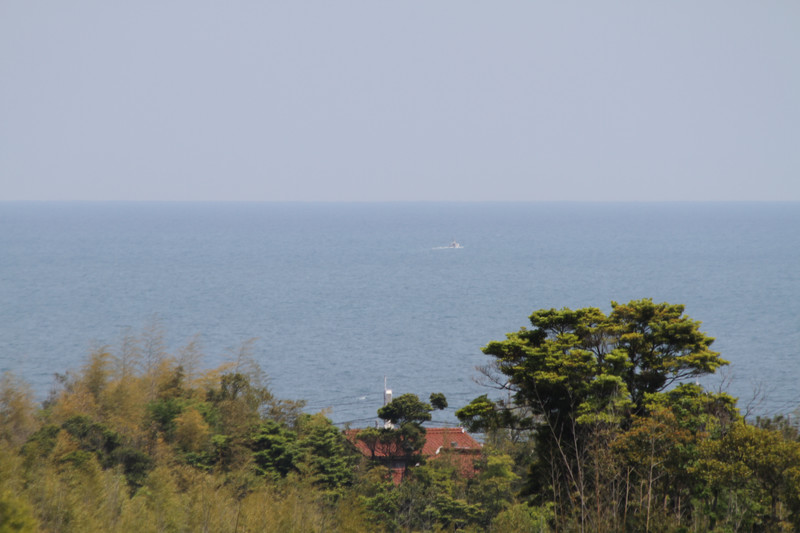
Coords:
pixel 445 100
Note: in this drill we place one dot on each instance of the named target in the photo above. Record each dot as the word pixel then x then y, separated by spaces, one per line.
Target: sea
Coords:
pixel 344 299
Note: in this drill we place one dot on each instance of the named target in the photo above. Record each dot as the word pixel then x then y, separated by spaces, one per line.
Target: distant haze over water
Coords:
pixel 341 295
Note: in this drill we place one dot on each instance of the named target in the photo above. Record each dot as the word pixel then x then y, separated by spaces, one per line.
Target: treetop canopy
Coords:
pixel 584 359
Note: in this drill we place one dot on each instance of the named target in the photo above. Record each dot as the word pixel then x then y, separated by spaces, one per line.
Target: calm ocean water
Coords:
pixel 341 295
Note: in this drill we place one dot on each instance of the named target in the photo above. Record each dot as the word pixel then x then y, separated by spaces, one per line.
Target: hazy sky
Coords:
pixel 373 101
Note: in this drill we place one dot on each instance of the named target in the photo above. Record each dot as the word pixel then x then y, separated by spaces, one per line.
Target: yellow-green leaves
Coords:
pixel 648 346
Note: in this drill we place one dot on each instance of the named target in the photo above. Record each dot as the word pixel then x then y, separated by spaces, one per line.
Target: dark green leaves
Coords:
pixel 406 408
pixel 574 359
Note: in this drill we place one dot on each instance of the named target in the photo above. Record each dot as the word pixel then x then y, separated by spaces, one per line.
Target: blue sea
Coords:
pixel 340 296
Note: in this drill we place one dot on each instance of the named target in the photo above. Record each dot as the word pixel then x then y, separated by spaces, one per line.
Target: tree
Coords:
pixel 573 357
pixel 582 363
pixel 523 518
pixel 492 487
pixel 275 449
pixel 579 374
pixel 659 454
pixel 407 413
pixel 438 401
pixel 16 514
pixel 752 475
pixel 17 410
pixel 192 433
pixel 326 456
pixel 662 345
pixel 407 408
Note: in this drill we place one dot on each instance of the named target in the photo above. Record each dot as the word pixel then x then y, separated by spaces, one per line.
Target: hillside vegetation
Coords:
pixel 598 431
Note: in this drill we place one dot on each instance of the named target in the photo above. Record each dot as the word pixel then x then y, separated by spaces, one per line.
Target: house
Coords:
pixel 454 444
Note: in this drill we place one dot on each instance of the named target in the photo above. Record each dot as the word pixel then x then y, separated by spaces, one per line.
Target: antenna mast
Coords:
pixel 387 398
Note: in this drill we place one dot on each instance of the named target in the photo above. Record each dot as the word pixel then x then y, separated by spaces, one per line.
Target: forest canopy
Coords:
pixel 600 427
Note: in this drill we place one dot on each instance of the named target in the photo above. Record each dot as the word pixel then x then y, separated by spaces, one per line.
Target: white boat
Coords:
pixel 455 244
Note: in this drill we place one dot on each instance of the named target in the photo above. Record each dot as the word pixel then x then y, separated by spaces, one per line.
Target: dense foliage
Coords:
pixel 139 440
pixel 597 430
pixel 621 441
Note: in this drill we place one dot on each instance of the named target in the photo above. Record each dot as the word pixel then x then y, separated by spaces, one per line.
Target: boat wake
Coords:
pixel 452 246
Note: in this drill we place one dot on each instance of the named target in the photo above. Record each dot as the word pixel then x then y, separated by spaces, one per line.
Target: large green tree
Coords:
pixel 582 363
pixel 576 375
pixel 406 413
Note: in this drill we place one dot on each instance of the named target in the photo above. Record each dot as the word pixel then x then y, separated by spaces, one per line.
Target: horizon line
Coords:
pixel 172 201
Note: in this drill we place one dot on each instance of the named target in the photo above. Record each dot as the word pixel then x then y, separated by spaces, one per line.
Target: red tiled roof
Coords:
pixel 381 449
pixel 436 439
pixel 454 443
pixel 397 475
